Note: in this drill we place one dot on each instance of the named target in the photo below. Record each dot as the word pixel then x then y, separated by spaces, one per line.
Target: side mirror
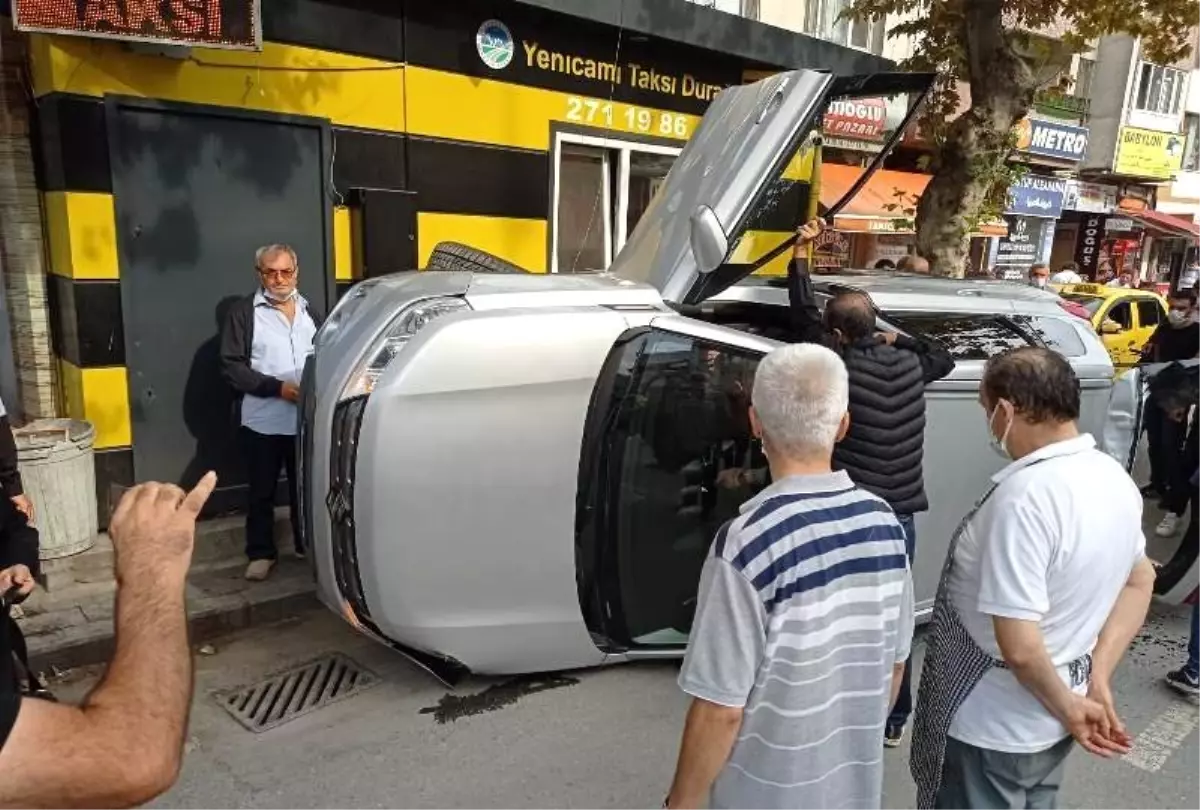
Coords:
pixel 1110 327
pixel 709 242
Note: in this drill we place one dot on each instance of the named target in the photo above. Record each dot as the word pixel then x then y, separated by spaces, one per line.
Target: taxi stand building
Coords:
pixel 363 133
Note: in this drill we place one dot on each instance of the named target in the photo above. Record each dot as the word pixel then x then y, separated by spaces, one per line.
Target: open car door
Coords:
pixel 738 172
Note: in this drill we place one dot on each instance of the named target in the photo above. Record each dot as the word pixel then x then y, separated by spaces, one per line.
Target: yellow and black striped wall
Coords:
pixel 412 108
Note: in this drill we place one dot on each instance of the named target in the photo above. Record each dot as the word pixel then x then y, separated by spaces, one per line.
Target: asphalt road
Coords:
pixel 599 738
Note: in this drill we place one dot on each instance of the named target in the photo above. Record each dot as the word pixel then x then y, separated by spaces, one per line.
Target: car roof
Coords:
pixel 912 292
pixel 1104 291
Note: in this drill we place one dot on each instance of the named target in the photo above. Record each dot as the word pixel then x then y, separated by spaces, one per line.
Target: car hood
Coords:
pixel 734 160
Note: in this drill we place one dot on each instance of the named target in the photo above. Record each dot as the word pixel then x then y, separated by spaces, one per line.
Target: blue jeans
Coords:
pixel 1193 662
pixel 903 707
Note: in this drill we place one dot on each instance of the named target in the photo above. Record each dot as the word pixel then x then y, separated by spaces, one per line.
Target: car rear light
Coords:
pixel 393 339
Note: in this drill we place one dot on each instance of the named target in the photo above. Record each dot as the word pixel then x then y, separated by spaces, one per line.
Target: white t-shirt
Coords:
pixel 1055 543
pixel 1066 277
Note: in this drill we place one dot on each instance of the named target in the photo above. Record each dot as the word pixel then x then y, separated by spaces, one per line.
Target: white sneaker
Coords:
pixel 258 570
pixel 1167 526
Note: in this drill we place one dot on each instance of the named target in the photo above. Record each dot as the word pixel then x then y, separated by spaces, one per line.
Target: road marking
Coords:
pixel 1154 746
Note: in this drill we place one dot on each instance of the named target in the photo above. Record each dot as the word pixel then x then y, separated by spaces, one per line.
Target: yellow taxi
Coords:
pixel 1124 318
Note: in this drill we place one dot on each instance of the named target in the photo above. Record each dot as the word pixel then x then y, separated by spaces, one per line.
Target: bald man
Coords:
pixel 884 447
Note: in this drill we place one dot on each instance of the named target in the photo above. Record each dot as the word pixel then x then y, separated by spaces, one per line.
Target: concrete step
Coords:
pixel 219 600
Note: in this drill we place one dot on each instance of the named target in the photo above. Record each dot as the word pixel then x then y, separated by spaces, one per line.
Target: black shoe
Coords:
pixel 1184 682
pixel 892 735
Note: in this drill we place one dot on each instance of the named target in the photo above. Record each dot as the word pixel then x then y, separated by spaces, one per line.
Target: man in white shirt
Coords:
pixel 264 343
pixel 1069 274
pixel 1050 583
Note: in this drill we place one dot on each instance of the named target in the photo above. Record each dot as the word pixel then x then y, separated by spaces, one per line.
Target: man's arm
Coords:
pixel 123 746
pixel 726 646
pixel 708 737
pixel 936 361
pixel 10 476
pixel 1123 623
pixel 235 356
pixel 806 322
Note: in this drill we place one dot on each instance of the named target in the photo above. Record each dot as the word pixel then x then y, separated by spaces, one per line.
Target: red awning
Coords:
pixel 1167 224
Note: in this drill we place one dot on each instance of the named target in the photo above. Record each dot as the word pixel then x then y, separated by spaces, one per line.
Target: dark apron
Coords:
pixel 954 665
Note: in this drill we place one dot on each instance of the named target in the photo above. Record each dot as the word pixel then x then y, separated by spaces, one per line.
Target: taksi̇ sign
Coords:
pixel 1146 153
pixel 1051 139
pixel 210 23
pixel 861 119
pixel 1037 196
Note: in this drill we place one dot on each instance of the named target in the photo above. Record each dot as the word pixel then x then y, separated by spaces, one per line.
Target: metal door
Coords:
pixel 197 191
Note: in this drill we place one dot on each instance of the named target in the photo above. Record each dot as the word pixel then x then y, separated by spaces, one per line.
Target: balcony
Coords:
pixel 1056 104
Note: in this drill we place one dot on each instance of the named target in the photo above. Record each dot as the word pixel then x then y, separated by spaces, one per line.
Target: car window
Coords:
pixel 1122 313
pixel 965 336
pixel 1089 302
pixel 1056 333
pixel 679 417
pixel 1149 313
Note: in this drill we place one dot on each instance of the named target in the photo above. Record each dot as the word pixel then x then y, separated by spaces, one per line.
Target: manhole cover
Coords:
pixel 296 691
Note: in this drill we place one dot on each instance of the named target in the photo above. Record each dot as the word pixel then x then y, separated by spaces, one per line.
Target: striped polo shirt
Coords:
pixel 805 606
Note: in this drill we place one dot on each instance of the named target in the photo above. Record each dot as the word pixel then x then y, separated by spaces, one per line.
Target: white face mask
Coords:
pixel 1177 318
pixel 999 446
pixel 1038 281
pixel 282 299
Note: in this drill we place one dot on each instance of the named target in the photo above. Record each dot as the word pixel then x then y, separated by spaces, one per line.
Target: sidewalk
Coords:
pixel 69 622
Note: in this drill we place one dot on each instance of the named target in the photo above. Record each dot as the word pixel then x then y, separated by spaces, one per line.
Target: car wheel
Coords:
pixel 459 257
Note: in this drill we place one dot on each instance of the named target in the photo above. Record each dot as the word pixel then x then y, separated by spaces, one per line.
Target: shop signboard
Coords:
pixel 1146 153
pixel 1052 139
pixel 1023 243
pixel 208 23
pixel 831 249
pixel 861 119
pixel 1092 198
pixel 1036 196
pixel 1089 242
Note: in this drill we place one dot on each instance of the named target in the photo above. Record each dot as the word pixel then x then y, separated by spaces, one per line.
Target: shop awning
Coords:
pixel 1165 224
pixel 880 203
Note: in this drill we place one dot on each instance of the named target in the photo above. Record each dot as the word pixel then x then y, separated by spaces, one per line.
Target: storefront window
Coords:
pixel 602 189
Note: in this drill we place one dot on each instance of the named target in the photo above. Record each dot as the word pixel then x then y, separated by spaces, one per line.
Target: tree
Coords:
pixel 990 46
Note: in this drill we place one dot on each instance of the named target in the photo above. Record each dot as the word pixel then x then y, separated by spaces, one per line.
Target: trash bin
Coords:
pixel 55 459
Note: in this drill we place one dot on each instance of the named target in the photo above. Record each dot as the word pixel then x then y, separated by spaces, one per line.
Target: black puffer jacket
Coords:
pixel 884 449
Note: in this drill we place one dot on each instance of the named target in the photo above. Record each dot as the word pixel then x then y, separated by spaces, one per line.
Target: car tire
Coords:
pixel 458 257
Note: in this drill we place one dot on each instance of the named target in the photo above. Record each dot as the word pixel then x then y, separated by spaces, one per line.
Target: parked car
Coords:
pixel 504 472
pixel 1125 318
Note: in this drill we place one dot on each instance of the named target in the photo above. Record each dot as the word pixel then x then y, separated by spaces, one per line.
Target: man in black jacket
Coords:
pixel 883 449
pixel 19 563
pixel 265 341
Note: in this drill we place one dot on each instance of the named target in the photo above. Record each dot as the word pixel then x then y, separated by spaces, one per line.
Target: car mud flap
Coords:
pixel 1178 579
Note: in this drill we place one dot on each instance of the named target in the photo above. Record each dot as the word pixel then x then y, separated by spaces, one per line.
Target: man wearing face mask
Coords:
pixel 1176 339
pixel 266 338
pixel 884 447
pixel 1039 277
pixel 1046 583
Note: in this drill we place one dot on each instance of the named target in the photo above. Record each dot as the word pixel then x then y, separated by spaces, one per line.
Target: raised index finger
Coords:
pixel 196 499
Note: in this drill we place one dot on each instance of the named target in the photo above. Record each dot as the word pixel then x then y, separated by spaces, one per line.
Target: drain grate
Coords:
pixel 296 691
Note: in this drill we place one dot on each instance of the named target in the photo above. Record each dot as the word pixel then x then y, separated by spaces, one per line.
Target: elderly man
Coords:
pixel 805 616
pixel 265 340
pixel 1045 584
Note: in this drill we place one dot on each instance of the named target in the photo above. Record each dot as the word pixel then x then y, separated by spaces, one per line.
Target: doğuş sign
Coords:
pixel 859 118
pixel 211 23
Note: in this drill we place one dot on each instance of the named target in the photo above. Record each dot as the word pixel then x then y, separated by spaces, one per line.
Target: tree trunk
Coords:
pixel 1002 89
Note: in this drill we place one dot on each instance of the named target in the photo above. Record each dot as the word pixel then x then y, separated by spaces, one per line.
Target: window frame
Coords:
pixel 1191 143
pixel 1155 307
pixel 614 217
pixel 1116 304
pixel 840 31
pixel 1154 77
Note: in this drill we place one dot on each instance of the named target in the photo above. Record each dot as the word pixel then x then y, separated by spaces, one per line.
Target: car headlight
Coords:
pixel 391 341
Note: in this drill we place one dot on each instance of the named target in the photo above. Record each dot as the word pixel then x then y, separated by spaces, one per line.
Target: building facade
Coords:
pixel 361 132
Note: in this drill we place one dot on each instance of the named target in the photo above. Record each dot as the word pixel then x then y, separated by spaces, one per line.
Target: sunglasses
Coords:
pixel 277 273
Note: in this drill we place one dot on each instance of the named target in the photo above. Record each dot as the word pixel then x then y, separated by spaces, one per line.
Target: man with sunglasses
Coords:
pixel 266 338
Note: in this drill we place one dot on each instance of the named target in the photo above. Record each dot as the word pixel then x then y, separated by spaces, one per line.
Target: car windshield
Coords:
pixel 1089 302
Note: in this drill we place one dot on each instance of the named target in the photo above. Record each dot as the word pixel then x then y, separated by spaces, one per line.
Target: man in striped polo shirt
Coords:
pixel 804 620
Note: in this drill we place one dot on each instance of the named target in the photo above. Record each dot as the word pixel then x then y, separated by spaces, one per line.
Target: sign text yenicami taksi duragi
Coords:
pixel 641 77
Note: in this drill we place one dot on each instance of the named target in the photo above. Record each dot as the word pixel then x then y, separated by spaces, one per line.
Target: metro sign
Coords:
pixel 208 23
